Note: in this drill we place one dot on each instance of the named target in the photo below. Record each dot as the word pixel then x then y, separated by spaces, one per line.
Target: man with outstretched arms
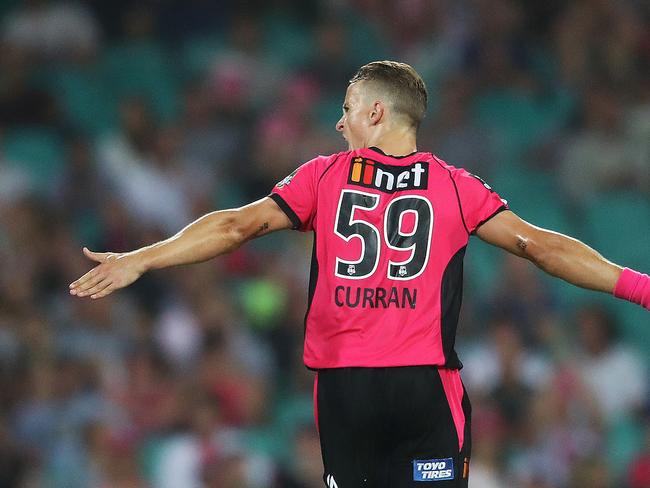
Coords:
pixel 390 225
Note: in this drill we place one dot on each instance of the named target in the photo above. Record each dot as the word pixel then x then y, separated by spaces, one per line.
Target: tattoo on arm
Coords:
pixel 262 229
pixel 522 243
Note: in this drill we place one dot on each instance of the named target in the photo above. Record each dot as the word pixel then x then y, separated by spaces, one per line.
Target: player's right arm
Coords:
pixel 213 234
pixel 564 257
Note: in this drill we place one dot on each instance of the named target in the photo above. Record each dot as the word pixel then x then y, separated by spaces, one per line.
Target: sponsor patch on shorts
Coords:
pixel 433 469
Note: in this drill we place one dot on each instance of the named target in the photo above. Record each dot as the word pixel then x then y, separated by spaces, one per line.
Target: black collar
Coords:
pixel 376 149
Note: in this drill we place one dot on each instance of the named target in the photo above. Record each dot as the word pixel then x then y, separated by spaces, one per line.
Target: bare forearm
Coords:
pixel 566 258
pixel 571 260
pixel 213 234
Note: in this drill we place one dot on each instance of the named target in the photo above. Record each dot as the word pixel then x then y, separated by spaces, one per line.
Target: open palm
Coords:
pixel 115 271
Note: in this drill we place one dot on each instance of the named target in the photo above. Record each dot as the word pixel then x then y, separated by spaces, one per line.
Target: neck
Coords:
pixel 396 141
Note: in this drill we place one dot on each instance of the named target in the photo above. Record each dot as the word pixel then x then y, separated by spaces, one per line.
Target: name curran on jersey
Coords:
pixel 355 296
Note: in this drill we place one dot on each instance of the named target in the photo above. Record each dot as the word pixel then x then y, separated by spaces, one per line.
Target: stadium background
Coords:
pixel 122 121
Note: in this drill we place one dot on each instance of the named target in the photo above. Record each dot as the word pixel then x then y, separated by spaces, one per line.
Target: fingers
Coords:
pixel 96 289
pixel 90 279
pixel 106 291
pixel 100 281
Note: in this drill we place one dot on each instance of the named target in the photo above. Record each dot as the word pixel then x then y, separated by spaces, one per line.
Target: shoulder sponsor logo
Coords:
pixel 482 181
pixel 433 469
pixel 331 483
pixel 287 179
pixel 488 187
pixel 387 178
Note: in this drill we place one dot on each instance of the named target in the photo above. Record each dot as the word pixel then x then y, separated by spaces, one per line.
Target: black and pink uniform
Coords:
pixel 385 293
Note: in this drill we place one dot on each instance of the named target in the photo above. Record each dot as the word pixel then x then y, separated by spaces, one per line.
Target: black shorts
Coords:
pixel 393 427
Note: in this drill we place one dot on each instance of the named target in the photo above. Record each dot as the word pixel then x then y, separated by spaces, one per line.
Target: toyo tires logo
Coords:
pixel 433 469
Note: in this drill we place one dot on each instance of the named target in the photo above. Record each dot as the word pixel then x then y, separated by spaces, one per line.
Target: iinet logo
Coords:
pixel 389 179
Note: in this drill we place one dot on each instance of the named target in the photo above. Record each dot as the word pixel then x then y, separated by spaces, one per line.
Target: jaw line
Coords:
pixel 350 148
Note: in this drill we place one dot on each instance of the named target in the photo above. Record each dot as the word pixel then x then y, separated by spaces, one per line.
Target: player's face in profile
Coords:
pixel 354 122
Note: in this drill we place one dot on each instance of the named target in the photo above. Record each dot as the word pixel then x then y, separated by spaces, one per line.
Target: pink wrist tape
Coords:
pixel 634 287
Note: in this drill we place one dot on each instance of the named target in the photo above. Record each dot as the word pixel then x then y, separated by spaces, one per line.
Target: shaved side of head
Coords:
pixel 397 84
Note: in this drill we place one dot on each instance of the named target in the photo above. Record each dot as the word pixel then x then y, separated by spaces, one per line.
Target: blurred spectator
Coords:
pixel 307 466
pixel 331 66
pixel 81 183
pixel 59 403
pixel 13 462
pixel 637 130
pixel 599 158
pixel 127 161
pixel 499 52
pixel 194 179
pixel 505 369
pixel 23 101
pixel 563 430
pixel 592 472
pixel 598 40
pixel 208 139
pixel 15 183
pixel 114 460
pixel 455 135
pixel 52 30
pixel 242 397
pixel 147 402
pixel 611 370
pixel 529 305
pixel 188 455
pixel 285 135
pixel 488 445
pixel 242 78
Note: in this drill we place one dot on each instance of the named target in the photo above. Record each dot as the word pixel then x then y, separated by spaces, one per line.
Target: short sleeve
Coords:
pixel 296 195
pixel 478 201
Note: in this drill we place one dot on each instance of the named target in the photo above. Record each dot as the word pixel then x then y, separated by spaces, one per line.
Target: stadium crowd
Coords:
pixel 122 121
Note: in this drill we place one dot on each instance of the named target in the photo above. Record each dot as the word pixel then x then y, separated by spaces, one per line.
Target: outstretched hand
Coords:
pixel 115 271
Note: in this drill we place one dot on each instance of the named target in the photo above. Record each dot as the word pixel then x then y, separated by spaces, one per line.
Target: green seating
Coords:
pixel 365 42
pixel 38 151
pixel 291 412
pixel 197 55
pixel 482 266
pixel 533 196
pixel 85 97
pixel 7 6
pixel 327 112
pixel 145 70
pixel 516 120
pixel 624 440
pixel 287 43
pixel 618 226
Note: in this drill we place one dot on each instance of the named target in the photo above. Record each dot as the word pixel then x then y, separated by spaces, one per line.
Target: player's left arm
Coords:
pixel 565 257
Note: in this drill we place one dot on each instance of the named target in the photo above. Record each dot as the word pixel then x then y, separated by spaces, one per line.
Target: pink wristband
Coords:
pixel 634 287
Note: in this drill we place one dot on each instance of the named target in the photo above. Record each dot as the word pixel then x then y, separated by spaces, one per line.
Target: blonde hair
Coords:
pixel 402 83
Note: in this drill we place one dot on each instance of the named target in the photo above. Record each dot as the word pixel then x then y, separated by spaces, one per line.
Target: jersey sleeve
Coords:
pixel 296 195
pixel 478 201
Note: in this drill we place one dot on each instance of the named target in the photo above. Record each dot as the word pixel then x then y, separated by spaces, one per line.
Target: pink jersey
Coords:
pixel 389 239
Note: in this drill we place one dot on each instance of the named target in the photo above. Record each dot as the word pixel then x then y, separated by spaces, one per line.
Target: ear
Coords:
pixel 377 113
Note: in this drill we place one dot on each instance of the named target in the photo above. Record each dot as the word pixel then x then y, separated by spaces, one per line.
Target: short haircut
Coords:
pixel 402 83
